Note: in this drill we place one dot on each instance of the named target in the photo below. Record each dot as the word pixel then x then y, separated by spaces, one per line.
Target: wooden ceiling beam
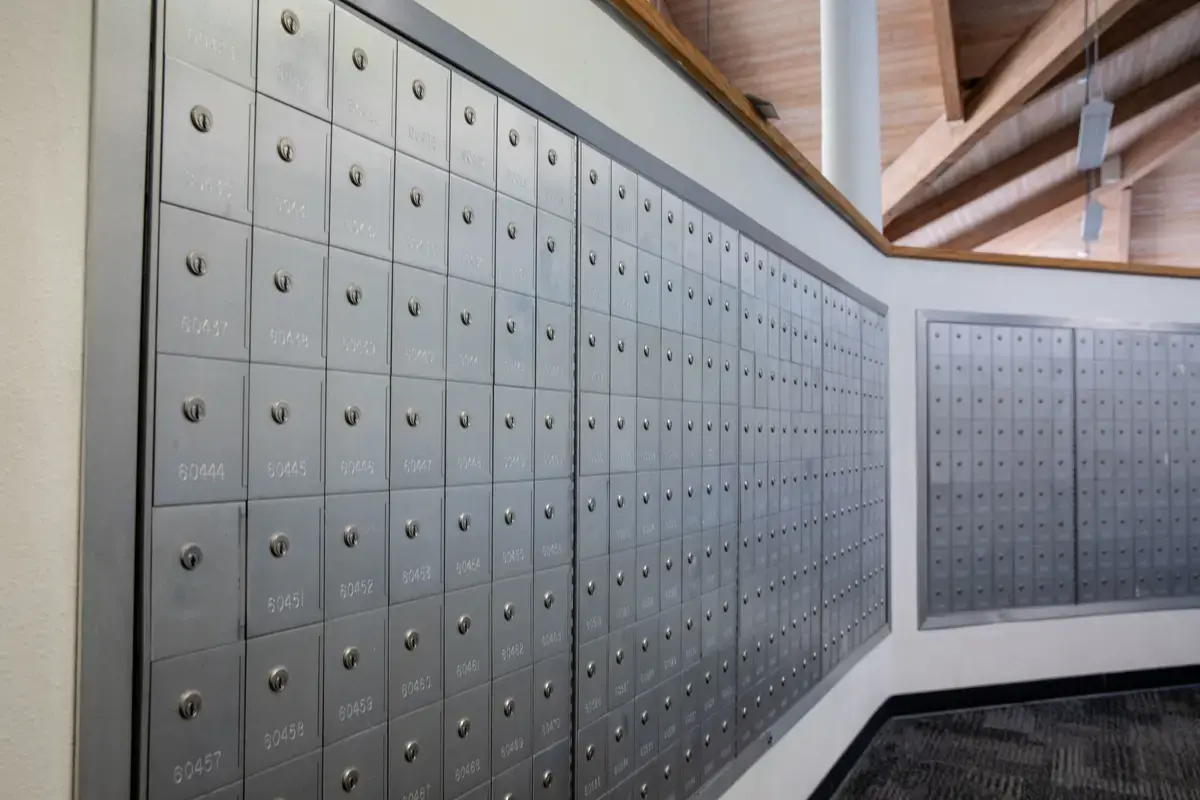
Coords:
pixel 1124 224
pixel 1052 146
pixel 947 50
pixel 1019 74
pixel 1026 212
pixel 1140 159
pixel 663 8
pixel 1151 14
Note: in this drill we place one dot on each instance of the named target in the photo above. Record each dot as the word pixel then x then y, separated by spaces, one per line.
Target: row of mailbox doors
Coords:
pixel 361 670
pixel 448 120
pixel 1148 407
pixel 962 339
pixel 308 307
pixel 300 561
pixel 377 764
pixel 309 430
pixel 1008 371
pixel 1072 579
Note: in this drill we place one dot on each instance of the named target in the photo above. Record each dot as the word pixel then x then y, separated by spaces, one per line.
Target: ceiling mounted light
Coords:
pixel 764 107
pixel 1095 119
pixel 1093 220
pixel 1094 125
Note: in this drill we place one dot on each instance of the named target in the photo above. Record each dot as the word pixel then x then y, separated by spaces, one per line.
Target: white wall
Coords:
pixel 1015 651
pixel 45 52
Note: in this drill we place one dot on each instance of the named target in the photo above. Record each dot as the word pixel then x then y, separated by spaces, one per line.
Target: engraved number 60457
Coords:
pixel 194 768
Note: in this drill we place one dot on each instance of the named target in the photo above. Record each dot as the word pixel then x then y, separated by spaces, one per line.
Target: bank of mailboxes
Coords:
pixel 1058 465
pixel 483 465
pixel 707 448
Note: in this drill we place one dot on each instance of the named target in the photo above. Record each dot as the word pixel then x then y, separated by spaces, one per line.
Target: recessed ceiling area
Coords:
pixel 979 112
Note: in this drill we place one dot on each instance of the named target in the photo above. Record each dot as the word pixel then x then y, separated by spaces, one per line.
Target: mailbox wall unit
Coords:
pixel 482 459
pixel 1061 465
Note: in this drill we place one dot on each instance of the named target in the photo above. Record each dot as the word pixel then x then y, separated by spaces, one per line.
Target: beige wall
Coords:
pixel 45 52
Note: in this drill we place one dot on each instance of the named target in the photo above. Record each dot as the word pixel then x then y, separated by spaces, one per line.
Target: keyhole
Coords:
pixel 194 409
pixel 202 119
pixel 278 679
pixel 196 263
pixel 286 149
pixel 349 779
pixel 190 704
pixel 191 556
pixel 279 545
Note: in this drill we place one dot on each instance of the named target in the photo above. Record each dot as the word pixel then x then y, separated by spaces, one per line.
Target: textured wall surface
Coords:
pixel 45 53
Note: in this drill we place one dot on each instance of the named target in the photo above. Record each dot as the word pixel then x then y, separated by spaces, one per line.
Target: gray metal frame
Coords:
pixel 113 313
pixel 963 619
pixel 118 382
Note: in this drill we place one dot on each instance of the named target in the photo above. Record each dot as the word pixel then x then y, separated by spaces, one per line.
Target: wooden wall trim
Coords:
pixel 1039 262
pixel 666 37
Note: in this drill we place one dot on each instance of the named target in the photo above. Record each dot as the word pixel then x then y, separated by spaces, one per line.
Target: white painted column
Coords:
pixel 851 153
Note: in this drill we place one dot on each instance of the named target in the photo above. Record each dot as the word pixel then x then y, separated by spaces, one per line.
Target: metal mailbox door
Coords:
pixel 415 753
pixel 515 242
pixel 551 701
pixel 421 206
pixel 356 553
pixel 195 713
pixel 206 142
pixel 287 300
pixel 467 639
pixel 415 545
pixel 551 612
pixel 418 323
pixel 468 536
pixel 197 596
pixel 199 445
pixel 512 720
pixel 283 564
pixel 516 152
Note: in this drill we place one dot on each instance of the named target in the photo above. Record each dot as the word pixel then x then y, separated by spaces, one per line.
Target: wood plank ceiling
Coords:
pixel 1010 188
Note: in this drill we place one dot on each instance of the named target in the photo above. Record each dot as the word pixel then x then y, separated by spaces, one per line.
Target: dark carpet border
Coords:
pixel 998 694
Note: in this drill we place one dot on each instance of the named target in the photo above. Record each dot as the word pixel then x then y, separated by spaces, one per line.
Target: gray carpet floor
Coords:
pixel 1143 745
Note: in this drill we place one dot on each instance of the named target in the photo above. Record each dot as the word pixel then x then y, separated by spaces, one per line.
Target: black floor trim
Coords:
pixel 998 694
